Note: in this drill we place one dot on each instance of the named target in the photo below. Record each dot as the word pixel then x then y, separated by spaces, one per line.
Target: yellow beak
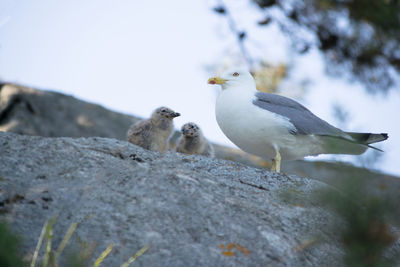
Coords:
pixel 216 80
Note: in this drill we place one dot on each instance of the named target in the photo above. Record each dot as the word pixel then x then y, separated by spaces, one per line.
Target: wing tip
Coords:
pixel 385 136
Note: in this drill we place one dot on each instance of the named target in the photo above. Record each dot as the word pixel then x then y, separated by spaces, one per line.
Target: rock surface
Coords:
pixel 30 111
pixel 187 208
pixel 25 110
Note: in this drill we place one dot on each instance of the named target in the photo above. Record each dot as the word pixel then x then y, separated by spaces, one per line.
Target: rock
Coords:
pixel 26 110
pixel 190 210
pixel 29 111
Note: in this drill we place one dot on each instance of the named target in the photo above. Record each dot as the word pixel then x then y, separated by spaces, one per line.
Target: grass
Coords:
pixel 10 256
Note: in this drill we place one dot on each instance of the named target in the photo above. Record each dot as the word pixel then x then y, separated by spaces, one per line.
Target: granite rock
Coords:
pixel 188 209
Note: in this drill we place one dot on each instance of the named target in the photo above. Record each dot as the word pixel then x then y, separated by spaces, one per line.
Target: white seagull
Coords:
pixel 276 127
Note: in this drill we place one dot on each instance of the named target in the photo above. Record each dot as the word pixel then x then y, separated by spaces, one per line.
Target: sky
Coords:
pixel 134 56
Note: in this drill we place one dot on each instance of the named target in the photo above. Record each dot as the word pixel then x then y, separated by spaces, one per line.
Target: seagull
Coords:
pixel 275 127
pixel 154 133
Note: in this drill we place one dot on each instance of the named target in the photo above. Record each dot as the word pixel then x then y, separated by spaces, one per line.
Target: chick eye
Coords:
pixel 235 74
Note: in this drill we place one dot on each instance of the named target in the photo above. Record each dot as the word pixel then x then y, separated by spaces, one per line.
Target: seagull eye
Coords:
pixel 235 74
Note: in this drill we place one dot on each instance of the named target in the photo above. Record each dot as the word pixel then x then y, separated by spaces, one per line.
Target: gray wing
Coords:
pixel 303 120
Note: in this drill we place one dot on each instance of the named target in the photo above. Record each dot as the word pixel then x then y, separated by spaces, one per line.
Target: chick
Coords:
pixel 153 134
pixel 193 141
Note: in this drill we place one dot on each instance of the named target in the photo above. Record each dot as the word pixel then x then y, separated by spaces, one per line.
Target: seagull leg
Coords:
pixel 276 162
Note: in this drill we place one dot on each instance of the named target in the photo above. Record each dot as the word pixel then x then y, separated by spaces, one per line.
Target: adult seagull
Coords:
pixel 276 127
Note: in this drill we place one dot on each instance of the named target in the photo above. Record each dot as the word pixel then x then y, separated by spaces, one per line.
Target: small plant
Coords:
pixel 9 249
pixel 368 229
pixel 51 257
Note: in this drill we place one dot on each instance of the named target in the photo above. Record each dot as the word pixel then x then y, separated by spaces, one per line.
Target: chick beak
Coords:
pixel 175 114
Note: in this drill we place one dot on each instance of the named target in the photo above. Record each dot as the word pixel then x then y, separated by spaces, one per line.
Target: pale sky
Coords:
pixel 134 56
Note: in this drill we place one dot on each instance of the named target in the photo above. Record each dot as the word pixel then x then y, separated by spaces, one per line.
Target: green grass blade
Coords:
pixel 66 238
pixel 134 257
pixel 103 255
pixel 39 244
pixel 52 259
pixel 49 238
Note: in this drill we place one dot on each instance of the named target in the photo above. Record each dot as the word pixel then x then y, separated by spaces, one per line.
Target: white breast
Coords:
pixel 258 131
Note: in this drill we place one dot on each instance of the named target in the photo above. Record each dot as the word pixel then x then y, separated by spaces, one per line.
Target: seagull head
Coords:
pixel 238 78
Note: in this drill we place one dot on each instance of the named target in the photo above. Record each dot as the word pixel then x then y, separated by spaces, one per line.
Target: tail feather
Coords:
pixel 353 143
pixel 368 138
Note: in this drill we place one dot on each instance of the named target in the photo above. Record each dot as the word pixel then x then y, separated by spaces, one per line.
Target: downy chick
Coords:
pixel 153 134
pixel 193 141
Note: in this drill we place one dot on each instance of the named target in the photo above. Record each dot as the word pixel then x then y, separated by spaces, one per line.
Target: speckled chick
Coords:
pixel 193 141
pixel 153 134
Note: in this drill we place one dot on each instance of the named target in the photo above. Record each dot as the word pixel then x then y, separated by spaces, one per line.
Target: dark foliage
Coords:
pixel 368 230
pixel 361 37
pixel 9 255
